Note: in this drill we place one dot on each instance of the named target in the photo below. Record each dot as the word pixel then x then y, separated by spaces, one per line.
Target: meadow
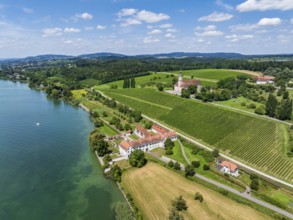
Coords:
pixel 153 187
pixel 257 142
pixel 154 77
pixel 216 74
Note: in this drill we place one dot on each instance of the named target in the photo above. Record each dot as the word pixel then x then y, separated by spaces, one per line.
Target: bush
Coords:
pixel 169 151
pixel 251 105
pixel 195 150
pixel 195 163
pixel 206 167
pixel 260 110
pixel 254 184
pixel 189 170
pixel 177 166
pixel 171 164
pixel 179 204
pixel 137 159
pixel 198 196
pixel 243 103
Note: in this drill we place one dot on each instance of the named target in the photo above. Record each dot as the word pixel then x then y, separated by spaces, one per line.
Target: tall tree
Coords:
pixel 271 105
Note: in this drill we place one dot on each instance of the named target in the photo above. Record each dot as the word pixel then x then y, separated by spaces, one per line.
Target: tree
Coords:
pixel 254 184
pixel 160 87
pixel 285 95
pixel 122 211
pixel 174 215
pixel 198 196
pixel 216 153
pixel 137 158
pixel 148 125
pixel 192 89
pixel 189 170
pixel 169 143
pixel 185 93
pixel 102 147
pixel 260 110
pixel 179 203
pixel 177 166
pixel 271 105
pixel 116 173
pixel 169 151
pixel 195 163
pixel 137 116
pixel 127 127
pixel 98 124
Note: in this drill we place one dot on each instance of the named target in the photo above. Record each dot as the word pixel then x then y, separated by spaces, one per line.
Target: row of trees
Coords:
pixel 281 110
pixel 129 83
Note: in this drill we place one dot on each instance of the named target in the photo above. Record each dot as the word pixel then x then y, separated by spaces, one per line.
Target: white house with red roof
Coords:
pixel 262 80
pixel 147 142
pixel 228 167
pixel 183 84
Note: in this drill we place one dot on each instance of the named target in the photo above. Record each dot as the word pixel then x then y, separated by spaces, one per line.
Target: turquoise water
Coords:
pixel 48 171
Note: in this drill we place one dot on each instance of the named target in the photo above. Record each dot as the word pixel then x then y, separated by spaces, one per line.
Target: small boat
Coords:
pixel 38 123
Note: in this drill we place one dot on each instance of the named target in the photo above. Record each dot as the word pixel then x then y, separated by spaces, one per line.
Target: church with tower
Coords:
pixel 183 84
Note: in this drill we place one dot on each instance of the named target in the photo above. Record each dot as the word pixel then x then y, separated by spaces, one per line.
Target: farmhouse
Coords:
pixel 147 141
pixel 228 167
pixel 262 80
pixel 141 132
pixel 183 84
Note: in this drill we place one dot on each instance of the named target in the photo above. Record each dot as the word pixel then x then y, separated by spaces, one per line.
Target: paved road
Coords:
pixel 210 149
pixel 229 189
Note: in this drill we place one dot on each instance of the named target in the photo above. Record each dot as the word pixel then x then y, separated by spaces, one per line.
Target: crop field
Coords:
pixel 211 73
pixel 153 187
pixel 254 141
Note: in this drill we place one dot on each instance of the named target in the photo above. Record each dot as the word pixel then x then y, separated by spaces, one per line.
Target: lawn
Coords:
pixel 215 74
pixel 78 94
pixel 90 82
pixel 153 187
pixel 252 140
pixel 107 130
pixel 177 154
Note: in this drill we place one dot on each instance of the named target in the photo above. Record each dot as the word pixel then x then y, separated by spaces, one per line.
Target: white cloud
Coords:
pixel 169 35
pixel 84 16
pixel 148 40
pixel 210 33
pixel 49 32
pixel 171 30
pixel 151 17
pixel 200 40
pixel 291 21
pixel 127 12
pixel 101 27
pixel 216 17
pixel 166 25
pixel 71 30
pixel 269 22
pixel 243 27
pixel 206 28
pixel 264 5
pixel 130 21
pixel 224 5
pixel 27 10
pixel 155 31
pixel 236 38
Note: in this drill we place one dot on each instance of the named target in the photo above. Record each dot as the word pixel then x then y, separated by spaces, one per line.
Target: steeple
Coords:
pixel 180 78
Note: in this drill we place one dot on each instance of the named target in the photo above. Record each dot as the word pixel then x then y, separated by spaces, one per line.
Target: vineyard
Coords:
pixel 256 142
pixel 210 73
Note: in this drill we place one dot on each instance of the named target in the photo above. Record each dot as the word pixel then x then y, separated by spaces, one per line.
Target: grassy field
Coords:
pixel 90 82
pixel 77 94
pixel 236 103
pixel 154 77
pixel 216 74
pixel 153 187
pixel 257 142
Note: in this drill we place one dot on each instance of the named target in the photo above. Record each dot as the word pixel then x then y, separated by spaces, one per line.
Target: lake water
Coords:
pixel 48 171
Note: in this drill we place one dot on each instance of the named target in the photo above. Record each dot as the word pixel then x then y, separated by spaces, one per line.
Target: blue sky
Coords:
pixel 75 27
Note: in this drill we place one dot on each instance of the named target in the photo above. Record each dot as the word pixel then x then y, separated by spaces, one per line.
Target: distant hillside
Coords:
pixel 100 55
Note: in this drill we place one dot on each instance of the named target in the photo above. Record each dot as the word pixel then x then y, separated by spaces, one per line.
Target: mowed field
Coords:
pixel 254 141
pixel 153 187
pixel 216 74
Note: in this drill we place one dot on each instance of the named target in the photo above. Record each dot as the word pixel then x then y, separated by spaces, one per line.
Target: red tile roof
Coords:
pixel 159 129
pixel 186 83
pixel 142 130
pixel 265 78
pixel 231 166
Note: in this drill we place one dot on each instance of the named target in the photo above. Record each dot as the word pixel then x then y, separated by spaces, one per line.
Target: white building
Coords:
pixel 147 142
pixel 263 80
pixel 183 84
pixel 228 167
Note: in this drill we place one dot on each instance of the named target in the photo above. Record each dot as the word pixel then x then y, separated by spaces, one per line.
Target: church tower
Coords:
pixel 180 78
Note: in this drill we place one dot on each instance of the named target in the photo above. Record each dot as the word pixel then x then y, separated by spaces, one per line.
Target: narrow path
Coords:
pixel 183 152
pixel 229 189
pixel 210 149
